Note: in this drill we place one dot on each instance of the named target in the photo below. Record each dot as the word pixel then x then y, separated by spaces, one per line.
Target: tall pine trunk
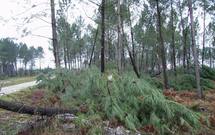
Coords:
pixel 162 48
pixel 119 45
pixel 103 37
pixel 94 44
pixel 132 35
pixel 203 42
pixel 64 56
pixel 54 35
pixel 199 91
pixel 129 52
pixel 183 36
pixel 210 56
pixel 173 38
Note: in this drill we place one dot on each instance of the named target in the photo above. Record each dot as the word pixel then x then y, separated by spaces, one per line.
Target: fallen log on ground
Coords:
pixel 25 109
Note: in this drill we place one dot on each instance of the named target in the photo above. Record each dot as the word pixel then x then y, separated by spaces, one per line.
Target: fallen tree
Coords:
pixel 25 109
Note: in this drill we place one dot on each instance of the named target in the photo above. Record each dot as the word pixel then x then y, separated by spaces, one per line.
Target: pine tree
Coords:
pixel 196 62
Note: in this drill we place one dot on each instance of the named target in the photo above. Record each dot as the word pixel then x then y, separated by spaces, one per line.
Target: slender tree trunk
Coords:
pixel 94 44
pixel 54 35
pixel 16 67
pixel 129 53
pixel 162 48
pixel 132 35
pixel 119 45
pixel 210 57
pixel 25 68
pixel 203 42
pixel 80 59
pixel 64 55
pixel 123 56
pixel 199 91
pixel 142 58
pixel 103 37
pixel 187 49
pixel 152 63
pixel 40 63
pixel 147 61
pixel 75 62
pixel 68 57
pixel 123 45
pixel 173 38
pixel 183 36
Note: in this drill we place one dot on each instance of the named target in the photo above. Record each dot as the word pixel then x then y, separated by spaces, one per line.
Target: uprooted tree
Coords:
pixel 25 109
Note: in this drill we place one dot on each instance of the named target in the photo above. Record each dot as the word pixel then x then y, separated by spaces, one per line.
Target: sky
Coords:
pixel 14 20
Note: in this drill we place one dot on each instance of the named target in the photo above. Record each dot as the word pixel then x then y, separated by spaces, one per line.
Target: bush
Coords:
pixel 154 82
pixel 208 73
pixel 132 101
pixel 188 82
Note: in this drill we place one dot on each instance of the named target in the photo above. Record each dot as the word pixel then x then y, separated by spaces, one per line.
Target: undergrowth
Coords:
pixel 186 80
pixel 134 102
pixel 208 73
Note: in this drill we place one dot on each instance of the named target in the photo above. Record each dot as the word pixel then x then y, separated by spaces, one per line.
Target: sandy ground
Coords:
pixel 15 88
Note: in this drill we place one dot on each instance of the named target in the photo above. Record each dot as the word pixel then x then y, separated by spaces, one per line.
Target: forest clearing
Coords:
pixel 110 106
pixel 107 67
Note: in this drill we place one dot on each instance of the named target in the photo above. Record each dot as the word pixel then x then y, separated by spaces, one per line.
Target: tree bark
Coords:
pixel 54 35
pixel 203 42
pixel 103 37
pixel 132 35
pixel 210 50
pixel 188 56
pixel 24 109
pixel 199 91
pixel 130 53
pixel 162 48
pixel 94 44
pixel 183 36
pixel 119 45
pixel 173 39
pixel 64 55
pixel 141 59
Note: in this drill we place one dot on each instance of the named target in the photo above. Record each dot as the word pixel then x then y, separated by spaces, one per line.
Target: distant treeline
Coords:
pixel 11 53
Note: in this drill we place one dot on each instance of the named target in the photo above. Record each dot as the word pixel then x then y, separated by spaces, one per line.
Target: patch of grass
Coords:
pixel 17 96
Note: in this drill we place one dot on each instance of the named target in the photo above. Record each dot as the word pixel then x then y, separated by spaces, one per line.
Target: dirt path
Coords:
pixel 15 88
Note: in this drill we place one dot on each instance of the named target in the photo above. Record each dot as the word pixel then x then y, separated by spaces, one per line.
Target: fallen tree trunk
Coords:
pixel 24 109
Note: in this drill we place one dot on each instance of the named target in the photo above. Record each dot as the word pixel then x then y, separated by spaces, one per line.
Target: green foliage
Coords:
pixel 154 82
pixel 187 82
pixel 183 82
pixel 92 122
pixel 208 73
pixel 132 101
pixel 8 51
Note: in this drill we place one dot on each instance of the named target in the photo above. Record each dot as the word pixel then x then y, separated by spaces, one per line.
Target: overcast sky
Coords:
pixel 14 18
pixel 15 14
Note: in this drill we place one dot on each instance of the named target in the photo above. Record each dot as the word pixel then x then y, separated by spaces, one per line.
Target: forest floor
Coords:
pixel 13 123
pixel 189 98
